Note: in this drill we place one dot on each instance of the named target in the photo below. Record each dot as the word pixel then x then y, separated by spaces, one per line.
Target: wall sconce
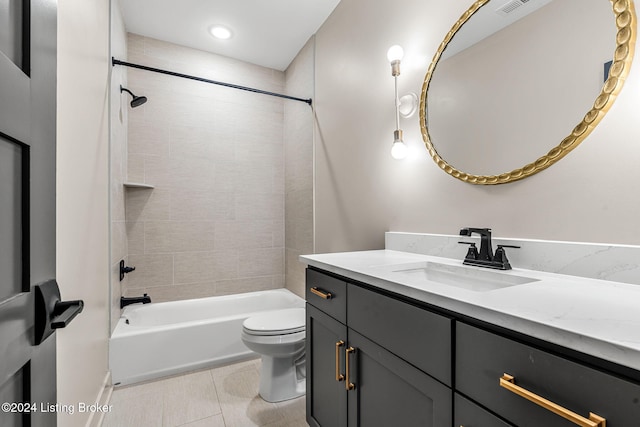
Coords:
pixel 399 148
pixel 408 105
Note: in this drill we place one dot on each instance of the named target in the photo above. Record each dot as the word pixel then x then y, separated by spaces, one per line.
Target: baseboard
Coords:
pixel 96 418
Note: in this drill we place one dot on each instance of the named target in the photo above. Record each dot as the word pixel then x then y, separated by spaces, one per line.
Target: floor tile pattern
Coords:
pixel 221 397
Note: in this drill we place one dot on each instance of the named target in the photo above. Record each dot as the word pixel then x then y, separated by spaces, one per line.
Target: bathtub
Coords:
pixel 159 339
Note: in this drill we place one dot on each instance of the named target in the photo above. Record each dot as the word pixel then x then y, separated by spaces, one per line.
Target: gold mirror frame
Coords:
pixel 625 44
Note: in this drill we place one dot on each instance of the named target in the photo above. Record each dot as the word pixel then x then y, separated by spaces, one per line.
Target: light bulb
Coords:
pixel 395 53
pixel 220 32
pixel 399 150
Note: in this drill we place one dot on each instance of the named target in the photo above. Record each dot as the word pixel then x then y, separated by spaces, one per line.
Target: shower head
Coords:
pixel 137 100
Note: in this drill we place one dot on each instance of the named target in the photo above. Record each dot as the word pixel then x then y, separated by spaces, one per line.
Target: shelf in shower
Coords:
pixel 137 185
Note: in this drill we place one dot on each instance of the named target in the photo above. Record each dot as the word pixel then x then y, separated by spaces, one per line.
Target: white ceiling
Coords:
pixel 265 32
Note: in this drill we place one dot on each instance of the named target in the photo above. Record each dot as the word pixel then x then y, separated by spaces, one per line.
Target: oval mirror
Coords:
pixel 507 91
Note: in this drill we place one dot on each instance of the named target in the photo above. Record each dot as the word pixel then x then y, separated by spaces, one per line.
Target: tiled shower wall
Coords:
pixel 214 222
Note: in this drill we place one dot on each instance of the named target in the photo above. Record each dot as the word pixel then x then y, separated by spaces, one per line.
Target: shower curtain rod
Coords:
pixel 201 79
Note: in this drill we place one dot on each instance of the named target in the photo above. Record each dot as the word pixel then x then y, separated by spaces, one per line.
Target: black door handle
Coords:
pixel 50 312
pixel 64 312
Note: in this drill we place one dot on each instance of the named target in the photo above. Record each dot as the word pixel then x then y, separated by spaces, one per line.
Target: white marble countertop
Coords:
pixel 596 317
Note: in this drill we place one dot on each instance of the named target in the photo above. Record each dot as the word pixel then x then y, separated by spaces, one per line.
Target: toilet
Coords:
pixel 279 336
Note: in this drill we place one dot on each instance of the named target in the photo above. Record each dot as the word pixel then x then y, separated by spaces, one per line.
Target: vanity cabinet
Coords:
pixel 408 365
pixel 361 371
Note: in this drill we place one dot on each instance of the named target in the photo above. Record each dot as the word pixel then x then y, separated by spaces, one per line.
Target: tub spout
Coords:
pixel 125 301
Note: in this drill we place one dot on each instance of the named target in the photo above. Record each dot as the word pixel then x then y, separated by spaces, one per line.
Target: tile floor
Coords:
pixel 221 397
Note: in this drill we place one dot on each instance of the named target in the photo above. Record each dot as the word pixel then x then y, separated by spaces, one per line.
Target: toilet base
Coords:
pixel 282 378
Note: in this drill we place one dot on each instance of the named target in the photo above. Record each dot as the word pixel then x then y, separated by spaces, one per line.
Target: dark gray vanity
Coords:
pixel 380 358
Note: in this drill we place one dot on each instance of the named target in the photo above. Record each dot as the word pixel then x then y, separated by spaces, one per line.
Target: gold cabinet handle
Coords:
pixel 321 294
pixel 339 376
pixel 348 384
pixel 509 382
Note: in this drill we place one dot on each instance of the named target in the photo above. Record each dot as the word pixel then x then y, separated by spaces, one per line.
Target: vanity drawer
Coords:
pixel 468 414
pixel 416 335
pixel 327 293
pixel 482 358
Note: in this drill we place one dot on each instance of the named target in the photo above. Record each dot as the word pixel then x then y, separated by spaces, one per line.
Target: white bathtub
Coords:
pixel 159 339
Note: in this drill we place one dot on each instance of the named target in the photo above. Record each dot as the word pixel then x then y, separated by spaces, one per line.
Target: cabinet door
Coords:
pixel 390 392
pixel 326 396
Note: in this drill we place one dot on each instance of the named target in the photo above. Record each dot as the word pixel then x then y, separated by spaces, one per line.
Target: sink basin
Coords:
pixel 472 279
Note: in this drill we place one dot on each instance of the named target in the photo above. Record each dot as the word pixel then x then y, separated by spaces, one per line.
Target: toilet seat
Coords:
pixel 277 322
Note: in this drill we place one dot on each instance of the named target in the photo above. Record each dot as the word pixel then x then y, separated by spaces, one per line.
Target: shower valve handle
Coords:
pixel 125 270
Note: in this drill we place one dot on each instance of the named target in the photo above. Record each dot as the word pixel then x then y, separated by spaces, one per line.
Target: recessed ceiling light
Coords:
pixel 220 32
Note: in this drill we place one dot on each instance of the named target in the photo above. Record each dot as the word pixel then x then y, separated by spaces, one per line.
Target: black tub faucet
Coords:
pixel 485 257
pixel 125 301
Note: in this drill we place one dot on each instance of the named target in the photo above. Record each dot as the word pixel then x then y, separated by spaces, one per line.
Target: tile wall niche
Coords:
pixel 214 222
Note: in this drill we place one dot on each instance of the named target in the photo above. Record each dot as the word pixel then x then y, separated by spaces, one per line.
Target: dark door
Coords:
pixel 27 206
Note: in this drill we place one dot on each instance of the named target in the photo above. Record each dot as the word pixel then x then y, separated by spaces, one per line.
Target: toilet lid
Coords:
pixel 277 322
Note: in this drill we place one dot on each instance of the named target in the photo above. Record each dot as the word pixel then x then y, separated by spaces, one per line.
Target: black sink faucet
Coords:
pixel 486 257
pixel 125 301
pixel 486 251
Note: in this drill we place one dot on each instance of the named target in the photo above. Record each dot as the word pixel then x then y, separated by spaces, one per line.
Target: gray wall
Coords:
pixel 118 160
pixel 361 192
pixel 82 222
pixel 298 144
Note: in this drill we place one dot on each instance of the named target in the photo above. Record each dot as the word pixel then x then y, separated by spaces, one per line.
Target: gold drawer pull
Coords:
pixel 507 381
pixel 321 294
pixel 348 384
pixel 339 376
